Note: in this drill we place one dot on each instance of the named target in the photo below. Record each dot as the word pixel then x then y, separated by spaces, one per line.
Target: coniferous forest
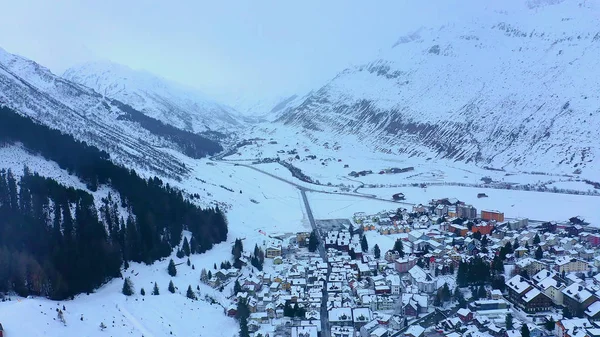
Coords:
pixel 54 241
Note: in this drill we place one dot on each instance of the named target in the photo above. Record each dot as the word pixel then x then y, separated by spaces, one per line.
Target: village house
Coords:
pixel 403 265
pixel 577 298
pixel 568 264
pixel 422 280
pixel 488 215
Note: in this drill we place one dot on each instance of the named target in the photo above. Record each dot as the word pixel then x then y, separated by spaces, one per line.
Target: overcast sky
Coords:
pixel 255 48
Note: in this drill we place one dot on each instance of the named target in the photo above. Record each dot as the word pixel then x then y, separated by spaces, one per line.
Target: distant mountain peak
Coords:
pixel 157 97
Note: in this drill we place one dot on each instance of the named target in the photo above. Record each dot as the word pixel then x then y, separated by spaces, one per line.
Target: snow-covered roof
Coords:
pixel 593 309
pixel 463 312
pixel 518 284
pixel 577 292
pixel 531 294
pixel 543 274
pixel 419 275
pixel 415 330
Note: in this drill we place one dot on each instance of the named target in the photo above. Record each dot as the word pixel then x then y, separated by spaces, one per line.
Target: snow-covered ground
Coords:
pixel 149 316
pixel 514 203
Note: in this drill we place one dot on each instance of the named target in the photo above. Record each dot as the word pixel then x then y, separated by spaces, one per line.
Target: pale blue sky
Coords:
pixel 258 48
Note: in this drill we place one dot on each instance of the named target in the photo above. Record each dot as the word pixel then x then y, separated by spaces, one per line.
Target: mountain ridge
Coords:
pixel 499 91
pixel 158 98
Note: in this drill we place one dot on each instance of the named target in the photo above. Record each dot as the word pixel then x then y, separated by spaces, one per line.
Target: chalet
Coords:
pixel 465 315
pixel 571 327
pixel 517 287
pixel 535 301
pixel 458 230
pixel 577 298
pixel 231 312
pixel 403 265
pixel 415 331
pixel 273 250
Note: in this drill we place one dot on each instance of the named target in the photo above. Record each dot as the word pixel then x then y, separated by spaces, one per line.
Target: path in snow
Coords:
pixel 136 324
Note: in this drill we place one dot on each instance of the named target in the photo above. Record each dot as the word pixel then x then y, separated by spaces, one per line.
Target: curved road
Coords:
pixel 307 189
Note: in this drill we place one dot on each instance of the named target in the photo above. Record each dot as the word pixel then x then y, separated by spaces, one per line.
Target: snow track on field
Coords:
pixel 134 322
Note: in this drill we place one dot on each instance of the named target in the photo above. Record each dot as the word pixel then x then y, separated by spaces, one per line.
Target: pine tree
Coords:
pixel 446 294
pixel 203 276
pixel 377 251
pixel 190 293
pixel 539 253
pixel 143 292
pixel 313 242
pixel 172 269
pixel 193 245
pixel 364 245
pixel 536 239
pixel 244 327
pixel 127 287
pixel 462 275
pixel 481 293
pixel 525 331
pixel 188 262
pixel 155 290
pixel 209 275
pixel 399 247
pixel 171 287
pixel 237 288
pixel 509 321
pixel 186 247
pixel 550 324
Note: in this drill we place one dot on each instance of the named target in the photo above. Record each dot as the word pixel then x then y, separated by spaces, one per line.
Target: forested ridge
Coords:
pixel 53 240
pixel 191 144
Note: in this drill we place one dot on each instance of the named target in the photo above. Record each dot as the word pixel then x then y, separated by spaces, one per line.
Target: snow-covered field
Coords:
pixel 331 206
pixel 514 203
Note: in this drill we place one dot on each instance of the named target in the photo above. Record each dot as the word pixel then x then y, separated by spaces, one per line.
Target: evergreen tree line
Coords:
pixel 193 145
pixel 476 271
pixel 52 242
pixel 156 215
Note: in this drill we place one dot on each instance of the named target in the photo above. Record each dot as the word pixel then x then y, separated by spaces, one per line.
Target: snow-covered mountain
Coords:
pixel 131 139
pixel 260 108
pixel 171 103
pixel 513 88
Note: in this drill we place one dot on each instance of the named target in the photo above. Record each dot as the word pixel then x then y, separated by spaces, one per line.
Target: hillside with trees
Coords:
pixel 53 240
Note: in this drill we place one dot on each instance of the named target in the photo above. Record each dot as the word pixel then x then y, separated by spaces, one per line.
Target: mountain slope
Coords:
pixel 513 88
pixel 156 97
pixel 130 137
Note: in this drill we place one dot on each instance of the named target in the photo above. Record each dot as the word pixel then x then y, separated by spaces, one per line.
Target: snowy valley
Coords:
pixel 472 145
